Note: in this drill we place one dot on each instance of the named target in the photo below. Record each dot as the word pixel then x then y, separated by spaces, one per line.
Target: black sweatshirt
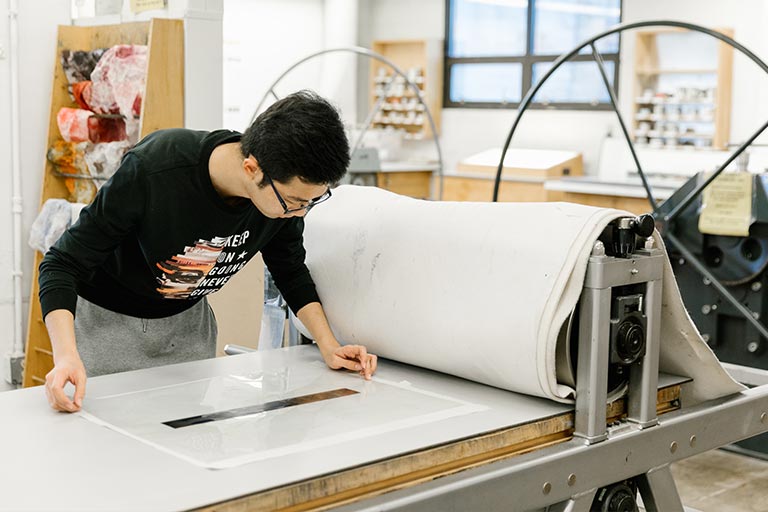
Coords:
pixel 158 236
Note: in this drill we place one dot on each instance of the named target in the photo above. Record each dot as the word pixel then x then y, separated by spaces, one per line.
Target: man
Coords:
pixel 186 211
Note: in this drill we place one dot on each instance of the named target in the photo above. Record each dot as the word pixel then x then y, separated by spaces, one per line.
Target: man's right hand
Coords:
pixel 66 369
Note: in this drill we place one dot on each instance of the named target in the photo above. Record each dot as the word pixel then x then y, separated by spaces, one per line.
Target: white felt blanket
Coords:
pixel 476 290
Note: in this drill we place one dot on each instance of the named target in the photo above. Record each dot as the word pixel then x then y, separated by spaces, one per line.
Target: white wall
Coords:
pixel 37 43
pixel 263 38
pixel 467 131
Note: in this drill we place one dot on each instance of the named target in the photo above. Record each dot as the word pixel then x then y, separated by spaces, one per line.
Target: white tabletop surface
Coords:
pixel 59 461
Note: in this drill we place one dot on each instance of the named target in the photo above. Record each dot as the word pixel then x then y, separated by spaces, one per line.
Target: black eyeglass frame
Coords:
pixel 310 204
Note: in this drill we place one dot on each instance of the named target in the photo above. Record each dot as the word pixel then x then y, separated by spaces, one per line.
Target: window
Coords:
pixel 498 49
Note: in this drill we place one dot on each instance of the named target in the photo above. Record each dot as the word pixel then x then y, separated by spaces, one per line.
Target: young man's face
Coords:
pixel 274 197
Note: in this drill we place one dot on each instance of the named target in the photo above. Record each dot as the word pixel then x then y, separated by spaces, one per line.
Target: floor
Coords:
pixel 721 481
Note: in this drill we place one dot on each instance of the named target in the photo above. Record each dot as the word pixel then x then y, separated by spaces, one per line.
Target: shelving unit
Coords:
pixel 682 98
pixel 162 107
pixel 422 61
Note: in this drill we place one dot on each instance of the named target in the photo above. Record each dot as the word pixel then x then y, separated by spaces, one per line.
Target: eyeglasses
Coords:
pixel 310 204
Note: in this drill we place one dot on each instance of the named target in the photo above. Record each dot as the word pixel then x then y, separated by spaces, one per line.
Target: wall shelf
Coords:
pixel 667 94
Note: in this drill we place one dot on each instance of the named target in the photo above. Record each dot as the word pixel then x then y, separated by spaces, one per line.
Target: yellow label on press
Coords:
pixel 727 205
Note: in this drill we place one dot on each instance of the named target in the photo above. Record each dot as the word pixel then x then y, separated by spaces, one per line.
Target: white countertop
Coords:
pixel 521 158
pixel 59 461
pixel 593 185
pixel 406 166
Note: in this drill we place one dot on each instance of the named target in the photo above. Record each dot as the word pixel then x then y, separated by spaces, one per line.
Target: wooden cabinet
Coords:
pixel 523 176
pixel 162 107
pixel 410 183
pixel 682 89
pixel 422 62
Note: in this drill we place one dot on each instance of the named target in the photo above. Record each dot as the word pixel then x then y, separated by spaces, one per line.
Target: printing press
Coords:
pixel 432 442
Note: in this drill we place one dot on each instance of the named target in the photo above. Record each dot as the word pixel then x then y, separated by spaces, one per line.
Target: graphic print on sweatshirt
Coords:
pixel 203 268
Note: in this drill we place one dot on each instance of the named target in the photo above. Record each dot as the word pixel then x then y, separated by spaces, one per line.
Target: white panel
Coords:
pixel 261 39
pixel 203 95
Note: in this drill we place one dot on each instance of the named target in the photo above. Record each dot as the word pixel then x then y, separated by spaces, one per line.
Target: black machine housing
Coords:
pixel 740 263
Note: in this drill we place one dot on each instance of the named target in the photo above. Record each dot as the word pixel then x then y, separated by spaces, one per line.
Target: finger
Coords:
pixel 349 364
pixel 79 382
pixel 349 351
pixel 362 356
pixel 60 398
pixel 373 364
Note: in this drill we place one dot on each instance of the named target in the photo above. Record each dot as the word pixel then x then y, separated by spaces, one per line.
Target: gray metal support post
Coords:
pixel 580 503
pixel 644 376
pixel 592 366
pixel 659 492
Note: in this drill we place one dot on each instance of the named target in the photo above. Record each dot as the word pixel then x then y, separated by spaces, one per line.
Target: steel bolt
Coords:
pixel 756 286
pixel 673 447
pixel 571 479
pixel 752 347
pixel 649 243
pixel 547 488
pixel 706 281
pixel 598 249
pixel 692 441
pixel 705 309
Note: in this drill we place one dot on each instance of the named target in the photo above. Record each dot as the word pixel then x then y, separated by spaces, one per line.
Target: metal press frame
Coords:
pixel 567 476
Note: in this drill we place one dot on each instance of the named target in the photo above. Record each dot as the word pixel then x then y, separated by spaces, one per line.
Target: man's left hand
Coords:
pixel 352 357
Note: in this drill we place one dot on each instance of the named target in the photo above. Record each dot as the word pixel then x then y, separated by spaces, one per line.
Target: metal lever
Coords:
pixel 233 350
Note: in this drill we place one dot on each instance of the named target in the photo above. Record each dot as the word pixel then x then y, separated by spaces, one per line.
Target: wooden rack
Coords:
pixel 162 107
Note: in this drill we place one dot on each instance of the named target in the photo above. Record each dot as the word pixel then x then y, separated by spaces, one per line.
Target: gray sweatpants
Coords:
pixel 110 342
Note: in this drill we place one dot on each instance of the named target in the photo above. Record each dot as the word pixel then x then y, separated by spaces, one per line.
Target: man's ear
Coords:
pixel 252 169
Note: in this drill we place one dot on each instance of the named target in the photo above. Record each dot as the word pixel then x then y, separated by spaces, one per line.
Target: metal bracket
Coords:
pixel 604 273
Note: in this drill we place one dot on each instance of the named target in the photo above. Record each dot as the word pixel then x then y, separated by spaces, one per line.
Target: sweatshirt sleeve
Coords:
pixel 115 211
pixel 284 256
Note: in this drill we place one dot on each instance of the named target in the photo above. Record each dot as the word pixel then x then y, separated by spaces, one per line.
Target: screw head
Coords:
pixel 706 281
pixel 571 479
pixel 598 249
pixel 752 347
pixel 673 447
pixel 705 309
pixel 681 261
pixel 756 286
pixel 546 488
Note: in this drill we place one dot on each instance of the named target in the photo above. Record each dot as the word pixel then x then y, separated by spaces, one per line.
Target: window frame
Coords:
pixel 527 61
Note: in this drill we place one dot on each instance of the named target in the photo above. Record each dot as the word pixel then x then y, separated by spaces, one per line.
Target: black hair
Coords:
pixel 299 136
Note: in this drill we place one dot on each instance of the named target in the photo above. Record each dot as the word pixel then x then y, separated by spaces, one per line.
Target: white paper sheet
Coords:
pixel 378 407
pixel 477 290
